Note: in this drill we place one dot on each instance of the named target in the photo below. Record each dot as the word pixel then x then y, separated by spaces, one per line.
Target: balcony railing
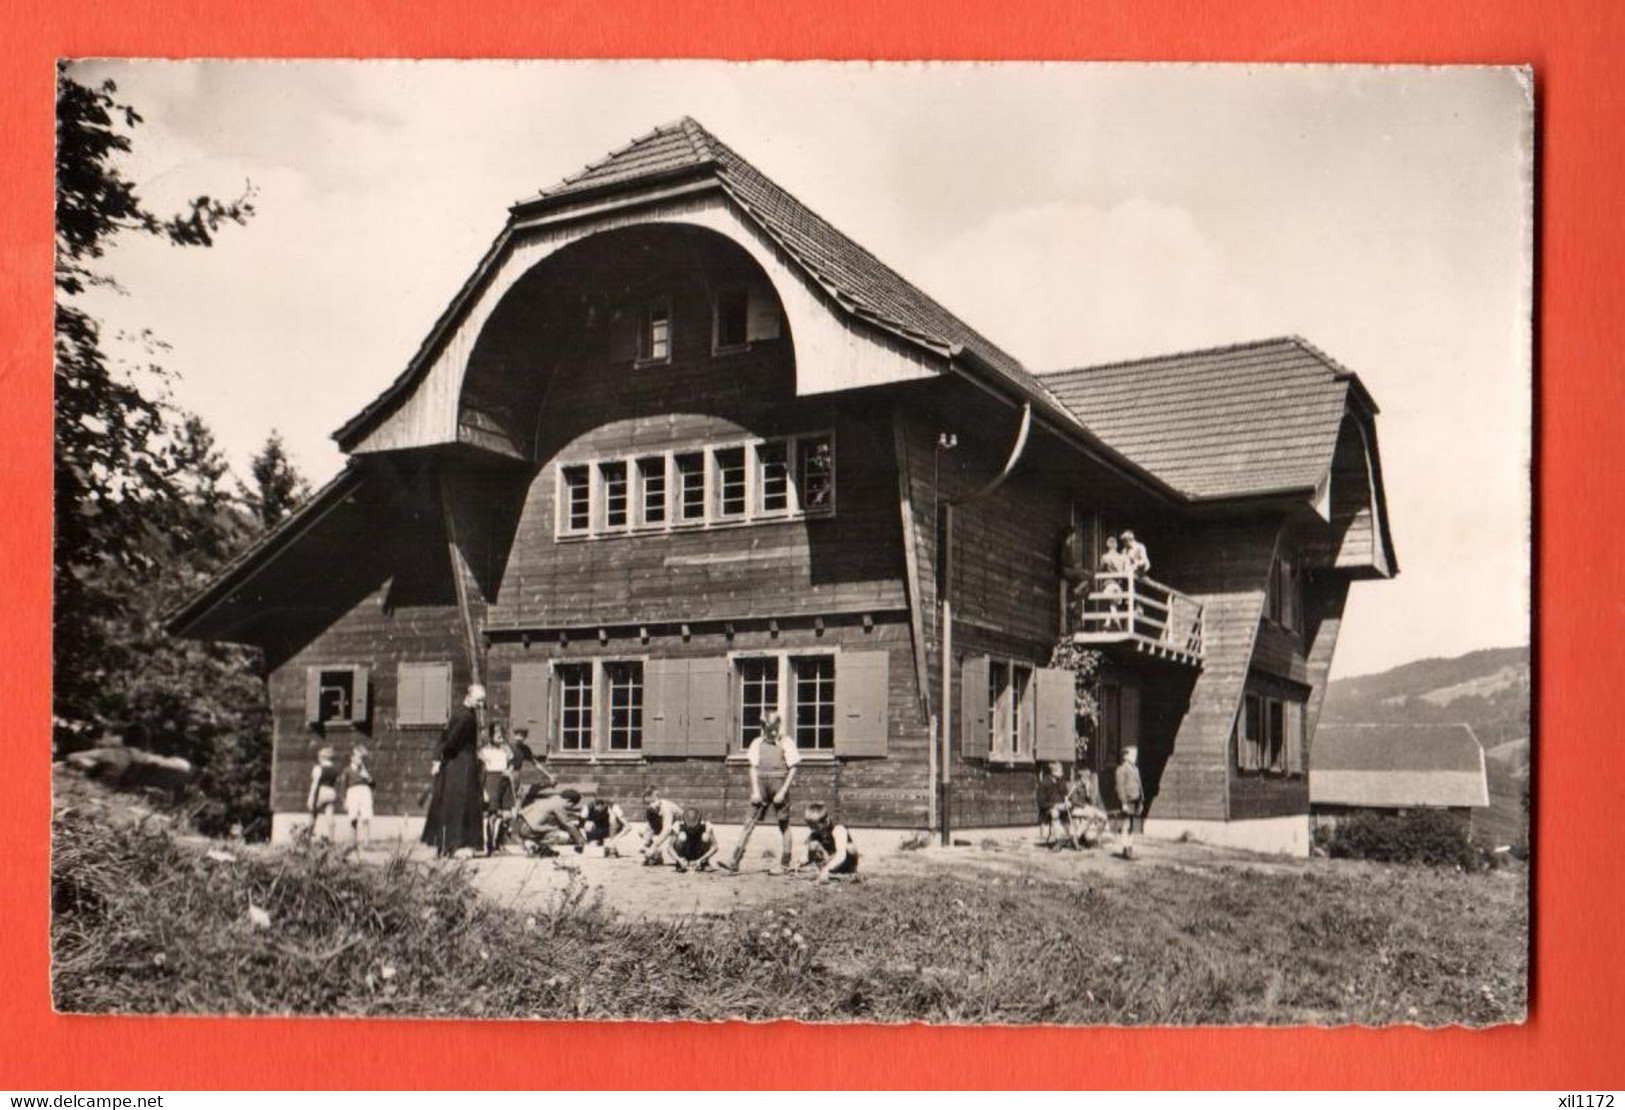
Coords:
pixel 1140 612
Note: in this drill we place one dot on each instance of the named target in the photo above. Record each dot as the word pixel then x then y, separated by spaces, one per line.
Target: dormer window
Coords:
pixel 654 337
pixel 731 325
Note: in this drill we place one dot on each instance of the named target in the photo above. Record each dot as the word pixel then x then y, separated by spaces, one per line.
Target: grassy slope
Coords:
pixel 144 922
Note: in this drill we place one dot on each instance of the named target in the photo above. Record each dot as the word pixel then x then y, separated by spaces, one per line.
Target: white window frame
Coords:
pixel 598 749
pixel 711 516
pixel 785 702
pixel 1016 743
pixel 640 490
pixel 601 482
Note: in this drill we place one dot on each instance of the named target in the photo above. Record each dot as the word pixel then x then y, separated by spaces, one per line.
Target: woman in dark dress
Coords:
pixel 456 806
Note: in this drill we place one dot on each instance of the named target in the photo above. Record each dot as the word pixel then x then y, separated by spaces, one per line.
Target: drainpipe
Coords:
pixel 946 590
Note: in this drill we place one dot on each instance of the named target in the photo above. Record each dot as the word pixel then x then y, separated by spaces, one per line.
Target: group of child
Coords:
pixel 1077 811
pixel 675 836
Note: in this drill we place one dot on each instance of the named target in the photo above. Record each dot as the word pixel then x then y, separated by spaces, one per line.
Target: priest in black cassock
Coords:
pixel 456 808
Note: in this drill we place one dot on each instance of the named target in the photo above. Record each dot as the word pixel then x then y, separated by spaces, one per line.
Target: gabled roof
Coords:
pixel 857 281
pixel 1241 421
pixel 1397 765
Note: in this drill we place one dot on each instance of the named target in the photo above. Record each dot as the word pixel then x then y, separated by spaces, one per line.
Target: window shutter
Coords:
pixel 1057 714
pixel 623 336
pixel 665 707
pixel 528 701
pixel 973 707
pixel 761 314
pixel 313 695
pixel 708 728
pixel 860 703
pixel 358 695
pixel 410 680
pixel 436 692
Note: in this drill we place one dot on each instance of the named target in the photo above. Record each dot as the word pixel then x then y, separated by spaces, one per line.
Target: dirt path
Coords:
pixel 526 883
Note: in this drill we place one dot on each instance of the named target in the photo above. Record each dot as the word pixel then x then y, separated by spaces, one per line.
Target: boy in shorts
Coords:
pixel 661 818
pixel 693 844
pixel 1131 796
pixel 358 782
pixel 829 844
pixel 773 760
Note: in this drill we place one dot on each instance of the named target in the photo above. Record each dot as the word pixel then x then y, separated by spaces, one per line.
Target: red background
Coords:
pixel 1578 997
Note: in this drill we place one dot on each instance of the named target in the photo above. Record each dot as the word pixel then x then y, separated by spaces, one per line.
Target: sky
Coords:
pixel 1072 213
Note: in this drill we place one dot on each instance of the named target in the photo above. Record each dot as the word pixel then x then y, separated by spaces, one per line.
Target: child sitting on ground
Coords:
pixel 1083 805
pixel 1052 807
pixel 829 844
pixel 542 820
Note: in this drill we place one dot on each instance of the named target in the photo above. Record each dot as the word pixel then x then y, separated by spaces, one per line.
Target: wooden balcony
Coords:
pixel 1141 615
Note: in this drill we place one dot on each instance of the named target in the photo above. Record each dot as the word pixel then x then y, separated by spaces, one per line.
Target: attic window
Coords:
pixel 654 337
pixel 731 328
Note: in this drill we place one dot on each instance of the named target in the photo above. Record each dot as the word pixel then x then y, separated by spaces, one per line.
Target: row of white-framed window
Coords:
pixel 726 483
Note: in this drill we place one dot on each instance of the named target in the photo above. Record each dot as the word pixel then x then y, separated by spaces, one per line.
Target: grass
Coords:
pixel 147 921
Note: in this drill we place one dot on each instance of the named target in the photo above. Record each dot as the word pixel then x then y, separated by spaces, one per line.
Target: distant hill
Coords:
pixel 1487 690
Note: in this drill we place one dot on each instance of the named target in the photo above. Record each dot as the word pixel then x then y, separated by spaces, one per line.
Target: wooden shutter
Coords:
pixel 313 695
pixel 860 703
pixel 974 725
pixel 1056 716
pixel 528 689
pixel 436 686
pixel 709 731
pixel 761 314
pixel 623 335
pixel 665 707
pixel 358 695
pixel 410 679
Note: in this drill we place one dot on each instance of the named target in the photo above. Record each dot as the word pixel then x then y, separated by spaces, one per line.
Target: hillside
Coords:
pixel 1487 690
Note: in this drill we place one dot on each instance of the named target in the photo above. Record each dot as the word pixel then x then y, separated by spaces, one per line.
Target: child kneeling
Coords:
pixel 829 844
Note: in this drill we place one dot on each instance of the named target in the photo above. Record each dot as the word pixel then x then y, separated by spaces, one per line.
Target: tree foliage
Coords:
pixel 146 510
pixel 277 486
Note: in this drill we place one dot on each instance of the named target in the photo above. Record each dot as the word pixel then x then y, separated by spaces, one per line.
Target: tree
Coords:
pixel 112 467
pixel 278 488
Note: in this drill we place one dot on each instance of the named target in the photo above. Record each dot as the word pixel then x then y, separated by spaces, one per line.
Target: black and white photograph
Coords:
pixel 997 543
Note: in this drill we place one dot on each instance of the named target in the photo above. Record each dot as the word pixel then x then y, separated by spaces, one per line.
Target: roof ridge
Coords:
pixel 1224 348
pixel 625 148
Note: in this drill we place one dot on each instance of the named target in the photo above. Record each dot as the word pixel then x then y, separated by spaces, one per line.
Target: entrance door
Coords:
pixel 1119 729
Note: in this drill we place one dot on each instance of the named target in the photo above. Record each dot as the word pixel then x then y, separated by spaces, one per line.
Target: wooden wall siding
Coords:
pixel 408 615
pixel 836 355
pixel 1225 567
pixel 1350 540
pixel 887 791
pixel 1324 597
pixel 1279 651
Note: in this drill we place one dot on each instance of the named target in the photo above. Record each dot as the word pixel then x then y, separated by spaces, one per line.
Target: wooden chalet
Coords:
pixel 679 450
pixel 1396 768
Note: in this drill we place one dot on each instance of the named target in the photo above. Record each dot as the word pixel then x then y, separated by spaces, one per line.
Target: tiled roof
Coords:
pixel 857 279
pixel 1236 421
pixel 1397 765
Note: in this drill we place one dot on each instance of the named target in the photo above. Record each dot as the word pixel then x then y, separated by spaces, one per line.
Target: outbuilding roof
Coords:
pixel 1237 421
pixel 1397 766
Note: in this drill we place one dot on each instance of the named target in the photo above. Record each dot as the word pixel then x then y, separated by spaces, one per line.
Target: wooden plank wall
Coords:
pixel 1226 567
pixel 1349 541
pixel 406 612
pixel 888 791
pixel 811 566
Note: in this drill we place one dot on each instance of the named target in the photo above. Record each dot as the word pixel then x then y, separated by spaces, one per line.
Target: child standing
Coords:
pixel 324 793
pixel 358 783
pixel 773 759
pixel 1131 796
pixel 496 761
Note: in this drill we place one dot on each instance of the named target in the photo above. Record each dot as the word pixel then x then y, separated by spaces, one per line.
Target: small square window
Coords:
pixel 577 499
pixel 613 477
pixel 691 487
pixel 773 477
pixel 654 338
pixel 732 320
pixel 817 466
pixel 730 462
pixel 336 695
pixel 652 489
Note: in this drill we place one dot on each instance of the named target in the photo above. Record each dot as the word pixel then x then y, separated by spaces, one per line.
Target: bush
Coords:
pixel 1428 836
